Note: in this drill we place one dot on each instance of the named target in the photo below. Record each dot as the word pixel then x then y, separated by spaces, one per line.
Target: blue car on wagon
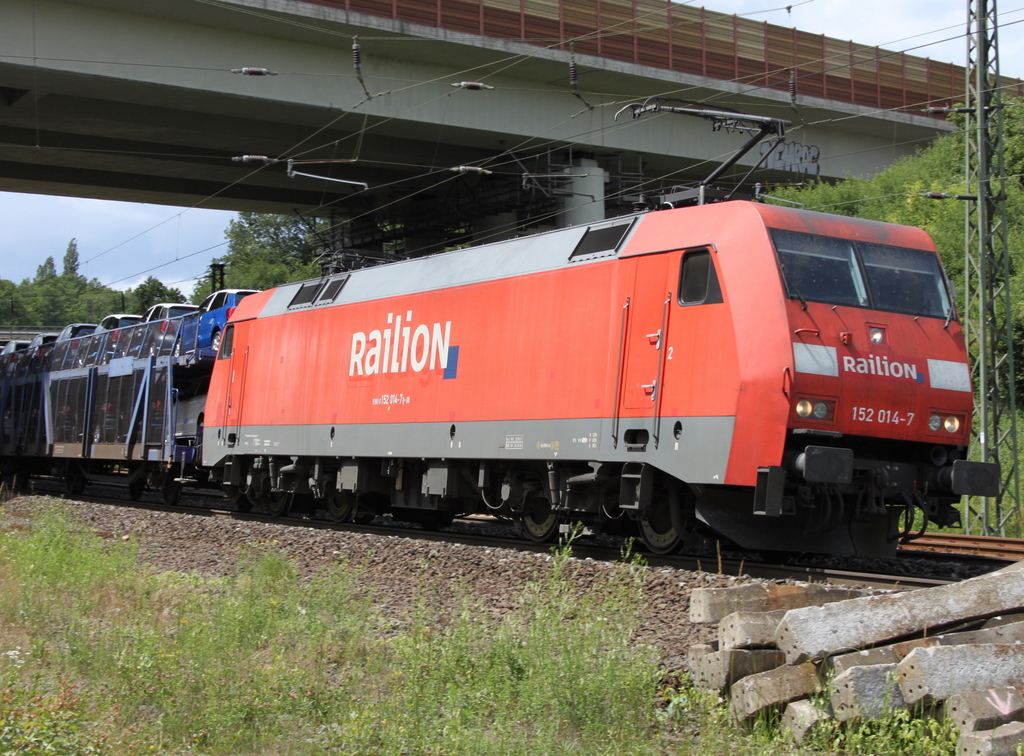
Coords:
pixel 200 331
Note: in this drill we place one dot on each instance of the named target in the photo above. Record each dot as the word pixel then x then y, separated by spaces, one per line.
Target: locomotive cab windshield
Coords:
pixel 859 274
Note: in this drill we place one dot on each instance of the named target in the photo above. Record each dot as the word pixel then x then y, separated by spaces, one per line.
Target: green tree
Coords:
pixel 150 292
pixel 55 300
pixel 46 271
pixel 267 250
pixel 46 297
pixel 12 305
pixel 71 259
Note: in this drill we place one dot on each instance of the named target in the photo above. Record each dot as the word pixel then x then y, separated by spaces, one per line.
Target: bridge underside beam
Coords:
pixel 135 100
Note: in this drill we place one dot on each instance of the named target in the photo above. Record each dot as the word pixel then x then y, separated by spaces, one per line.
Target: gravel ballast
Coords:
pixel 398 568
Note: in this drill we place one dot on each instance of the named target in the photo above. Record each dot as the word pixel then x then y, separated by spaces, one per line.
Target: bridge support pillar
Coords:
pixel 586 203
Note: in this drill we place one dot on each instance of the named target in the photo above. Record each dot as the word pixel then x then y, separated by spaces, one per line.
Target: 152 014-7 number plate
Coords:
pixel 874 415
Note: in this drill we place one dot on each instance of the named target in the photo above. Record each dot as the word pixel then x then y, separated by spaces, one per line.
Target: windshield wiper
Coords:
pixel 792 284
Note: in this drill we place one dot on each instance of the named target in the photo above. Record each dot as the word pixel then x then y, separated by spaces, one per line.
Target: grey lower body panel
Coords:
pixel 693 449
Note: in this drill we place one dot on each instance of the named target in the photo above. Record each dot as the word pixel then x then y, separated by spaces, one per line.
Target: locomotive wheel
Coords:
pixel 237 499
pixel 435 519
pixel 278 503
pixel 341 505
pixel 537 522
pixel 657 531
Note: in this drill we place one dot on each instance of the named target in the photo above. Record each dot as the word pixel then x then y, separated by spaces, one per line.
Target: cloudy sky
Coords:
pixel 122 243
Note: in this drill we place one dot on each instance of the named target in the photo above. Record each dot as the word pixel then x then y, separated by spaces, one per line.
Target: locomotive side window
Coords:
pixel 698 280
pixel 226 343
pixel 820 268
pixel 905 280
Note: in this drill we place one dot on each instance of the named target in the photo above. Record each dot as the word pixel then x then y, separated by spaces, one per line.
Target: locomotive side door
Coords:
pixel 646 315
pixel 234 348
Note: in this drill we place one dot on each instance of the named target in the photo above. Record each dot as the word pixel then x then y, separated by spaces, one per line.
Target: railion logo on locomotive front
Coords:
pixel 880 365
pixel 818 359
pixel 402 347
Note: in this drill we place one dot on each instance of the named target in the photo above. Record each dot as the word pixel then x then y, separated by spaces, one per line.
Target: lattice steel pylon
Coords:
pixel 988 325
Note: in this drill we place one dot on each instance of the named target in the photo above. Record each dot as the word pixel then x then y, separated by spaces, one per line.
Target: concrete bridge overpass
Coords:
pixel 137 100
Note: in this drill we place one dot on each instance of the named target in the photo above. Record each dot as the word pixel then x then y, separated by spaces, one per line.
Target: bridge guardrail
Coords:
pixel 26 333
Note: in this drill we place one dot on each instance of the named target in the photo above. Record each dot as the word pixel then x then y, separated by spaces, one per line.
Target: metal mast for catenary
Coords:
pixel 988 325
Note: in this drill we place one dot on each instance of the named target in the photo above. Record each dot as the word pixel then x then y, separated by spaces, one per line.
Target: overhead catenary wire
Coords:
pixel 436 184
pixel 663 177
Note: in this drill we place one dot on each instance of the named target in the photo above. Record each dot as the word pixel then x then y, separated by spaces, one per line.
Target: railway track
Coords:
pixel 485 532
pixel 988 547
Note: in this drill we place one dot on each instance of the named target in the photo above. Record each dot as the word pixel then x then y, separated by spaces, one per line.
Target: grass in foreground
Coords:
pixel 99 657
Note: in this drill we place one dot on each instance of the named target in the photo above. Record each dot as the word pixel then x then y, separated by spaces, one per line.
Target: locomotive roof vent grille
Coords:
pixel 332 289
pixel 306 294
pixel 600 242
pixel 318 292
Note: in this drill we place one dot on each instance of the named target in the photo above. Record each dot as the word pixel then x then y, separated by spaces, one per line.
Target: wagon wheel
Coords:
pixel 8 478
pixel 74 479
pixel 656 528
pixel 170 490
pixel 537 522
pixel 341 505
pixel 136 487
pixel 278 503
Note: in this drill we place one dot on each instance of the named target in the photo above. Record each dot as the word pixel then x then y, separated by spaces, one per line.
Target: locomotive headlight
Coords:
pixel 816 409
pixel 948 423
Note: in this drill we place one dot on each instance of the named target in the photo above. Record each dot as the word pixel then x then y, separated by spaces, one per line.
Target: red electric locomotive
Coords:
pixel 788 380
